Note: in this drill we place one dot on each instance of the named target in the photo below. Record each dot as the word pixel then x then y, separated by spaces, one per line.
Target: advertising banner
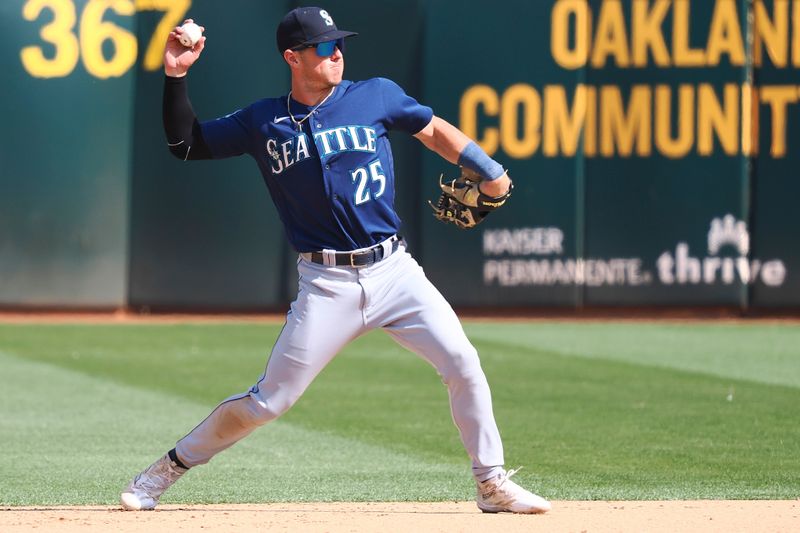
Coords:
pixel 635 133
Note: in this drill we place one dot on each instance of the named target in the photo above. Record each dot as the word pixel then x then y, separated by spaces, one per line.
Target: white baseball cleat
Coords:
pixel 501 495
pixel 146 488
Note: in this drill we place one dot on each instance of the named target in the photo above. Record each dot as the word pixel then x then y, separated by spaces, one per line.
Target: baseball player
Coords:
pixel 324 154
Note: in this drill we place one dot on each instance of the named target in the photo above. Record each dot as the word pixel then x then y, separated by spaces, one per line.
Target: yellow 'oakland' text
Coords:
pixel 580 39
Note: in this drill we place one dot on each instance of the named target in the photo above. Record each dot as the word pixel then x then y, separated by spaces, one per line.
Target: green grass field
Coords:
pixel 592 411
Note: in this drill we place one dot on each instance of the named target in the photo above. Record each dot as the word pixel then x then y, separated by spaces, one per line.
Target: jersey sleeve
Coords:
pixel 230 135
pixel 402 111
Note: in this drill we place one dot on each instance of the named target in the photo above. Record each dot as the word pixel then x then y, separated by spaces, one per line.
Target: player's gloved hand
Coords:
pixel 178 58
pixel 462 202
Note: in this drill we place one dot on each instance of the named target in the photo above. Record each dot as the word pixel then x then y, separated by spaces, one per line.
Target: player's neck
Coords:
pixel 309 96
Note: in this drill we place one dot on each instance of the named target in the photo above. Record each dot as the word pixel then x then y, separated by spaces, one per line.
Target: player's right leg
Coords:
pixel 325 316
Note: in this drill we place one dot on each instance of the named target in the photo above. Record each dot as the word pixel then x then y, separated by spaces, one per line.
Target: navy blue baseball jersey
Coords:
pixel 332 182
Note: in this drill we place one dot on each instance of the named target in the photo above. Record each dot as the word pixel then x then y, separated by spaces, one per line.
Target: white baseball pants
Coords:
pixel 335 305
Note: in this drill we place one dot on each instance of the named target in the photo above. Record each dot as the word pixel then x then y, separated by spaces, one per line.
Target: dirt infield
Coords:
pixel 658 516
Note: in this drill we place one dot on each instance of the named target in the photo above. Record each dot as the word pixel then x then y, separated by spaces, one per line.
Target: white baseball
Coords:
pixel 191 34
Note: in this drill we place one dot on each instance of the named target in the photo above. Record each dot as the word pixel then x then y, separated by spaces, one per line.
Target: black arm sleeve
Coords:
pixel 184 136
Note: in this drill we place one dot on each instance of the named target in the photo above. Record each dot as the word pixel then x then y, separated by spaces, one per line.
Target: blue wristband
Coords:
pixel 474 158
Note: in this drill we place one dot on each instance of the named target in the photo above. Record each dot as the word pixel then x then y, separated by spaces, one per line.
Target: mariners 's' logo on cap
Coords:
pixel 328 19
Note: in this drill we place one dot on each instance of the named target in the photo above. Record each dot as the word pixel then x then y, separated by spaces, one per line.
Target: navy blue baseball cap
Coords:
pixel 307 25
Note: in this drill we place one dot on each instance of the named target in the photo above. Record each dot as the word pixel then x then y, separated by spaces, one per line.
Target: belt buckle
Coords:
pixel 354 255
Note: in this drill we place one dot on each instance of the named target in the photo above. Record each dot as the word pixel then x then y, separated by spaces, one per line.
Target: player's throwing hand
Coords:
pixel 177 57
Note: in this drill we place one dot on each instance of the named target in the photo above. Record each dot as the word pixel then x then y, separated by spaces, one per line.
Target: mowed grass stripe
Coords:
pixel 374 390
pixel 760 352
pixel 584 427
pixel 176 359
pixel 71 439
pixel 598 429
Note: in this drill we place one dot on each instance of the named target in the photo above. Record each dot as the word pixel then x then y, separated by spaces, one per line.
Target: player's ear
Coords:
pixel 290 56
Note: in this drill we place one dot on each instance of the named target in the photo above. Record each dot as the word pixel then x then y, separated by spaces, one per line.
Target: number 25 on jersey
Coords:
pixel 366 179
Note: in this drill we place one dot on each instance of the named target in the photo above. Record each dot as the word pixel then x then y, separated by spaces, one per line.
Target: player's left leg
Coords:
pixel 325 316
pixel 418 317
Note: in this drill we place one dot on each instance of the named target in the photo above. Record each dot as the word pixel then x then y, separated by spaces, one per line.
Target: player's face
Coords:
pixel 325 72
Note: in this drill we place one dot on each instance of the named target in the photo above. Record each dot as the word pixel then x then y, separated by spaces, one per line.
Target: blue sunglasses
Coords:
pixel 324 49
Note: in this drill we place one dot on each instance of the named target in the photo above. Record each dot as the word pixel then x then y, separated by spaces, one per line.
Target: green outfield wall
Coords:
pixel 654 147
pixel 204 233
pixel 65 153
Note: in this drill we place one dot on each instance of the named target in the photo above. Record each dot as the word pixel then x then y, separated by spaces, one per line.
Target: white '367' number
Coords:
pixel 360 177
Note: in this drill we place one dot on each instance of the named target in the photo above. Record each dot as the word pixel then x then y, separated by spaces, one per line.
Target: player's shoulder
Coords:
pixel 373 83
